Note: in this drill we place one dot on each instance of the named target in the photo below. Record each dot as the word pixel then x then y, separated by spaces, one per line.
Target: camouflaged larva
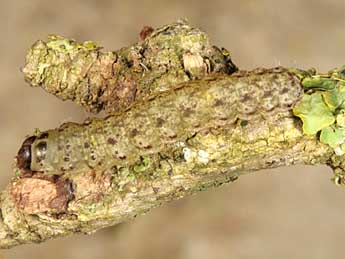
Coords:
pixel 148 128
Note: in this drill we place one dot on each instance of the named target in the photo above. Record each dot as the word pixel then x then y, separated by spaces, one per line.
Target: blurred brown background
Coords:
pixel 290 212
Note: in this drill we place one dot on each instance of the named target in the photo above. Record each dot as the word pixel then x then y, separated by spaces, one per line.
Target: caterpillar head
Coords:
pixel 24 154
pixel 32 151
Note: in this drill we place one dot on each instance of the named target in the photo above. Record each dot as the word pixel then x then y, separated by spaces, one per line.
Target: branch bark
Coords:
pixel 195 135
pixel 112 81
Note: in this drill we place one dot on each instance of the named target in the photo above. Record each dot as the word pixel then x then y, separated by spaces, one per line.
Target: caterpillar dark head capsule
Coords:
pixel 24 154
pixel 32 152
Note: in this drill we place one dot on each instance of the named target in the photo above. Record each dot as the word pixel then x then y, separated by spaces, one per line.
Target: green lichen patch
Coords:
pixel 333 136
pixel 322 107
pixel 143 165
pixel 319 82
pixel 314 113
pixel 64 45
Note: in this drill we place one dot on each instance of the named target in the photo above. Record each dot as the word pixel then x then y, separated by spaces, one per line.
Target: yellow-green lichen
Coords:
pixel 143 165
pixel 322 107
pixel 314 113
pixel 64 45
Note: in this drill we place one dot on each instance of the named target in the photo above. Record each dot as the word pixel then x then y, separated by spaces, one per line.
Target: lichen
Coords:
pixel 323 105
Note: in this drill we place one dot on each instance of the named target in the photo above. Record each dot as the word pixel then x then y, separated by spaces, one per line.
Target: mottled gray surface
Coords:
pixel 284 213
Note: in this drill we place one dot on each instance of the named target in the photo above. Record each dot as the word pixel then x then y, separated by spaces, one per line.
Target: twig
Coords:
pixel 163 145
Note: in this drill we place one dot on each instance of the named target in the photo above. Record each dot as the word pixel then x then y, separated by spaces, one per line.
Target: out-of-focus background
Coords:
pixel 290 212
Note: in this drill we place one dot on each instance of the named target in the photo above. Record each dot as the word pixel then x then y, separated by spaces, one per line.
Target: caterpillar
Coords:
pixel 149 127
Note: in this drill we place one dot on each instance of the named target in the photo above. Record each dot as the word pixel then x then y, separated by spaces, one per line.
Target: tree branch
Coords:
pixel 195 135
pixel 112 81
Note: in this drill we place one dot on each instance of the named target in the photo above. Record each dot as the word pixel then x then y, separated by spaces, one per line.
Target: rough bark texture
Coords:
pixel 160 146
pixel 112 81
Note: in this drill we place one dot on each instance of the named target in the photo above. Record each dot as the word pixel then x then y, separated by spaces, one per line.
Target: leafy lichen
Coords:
pixel 322 107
